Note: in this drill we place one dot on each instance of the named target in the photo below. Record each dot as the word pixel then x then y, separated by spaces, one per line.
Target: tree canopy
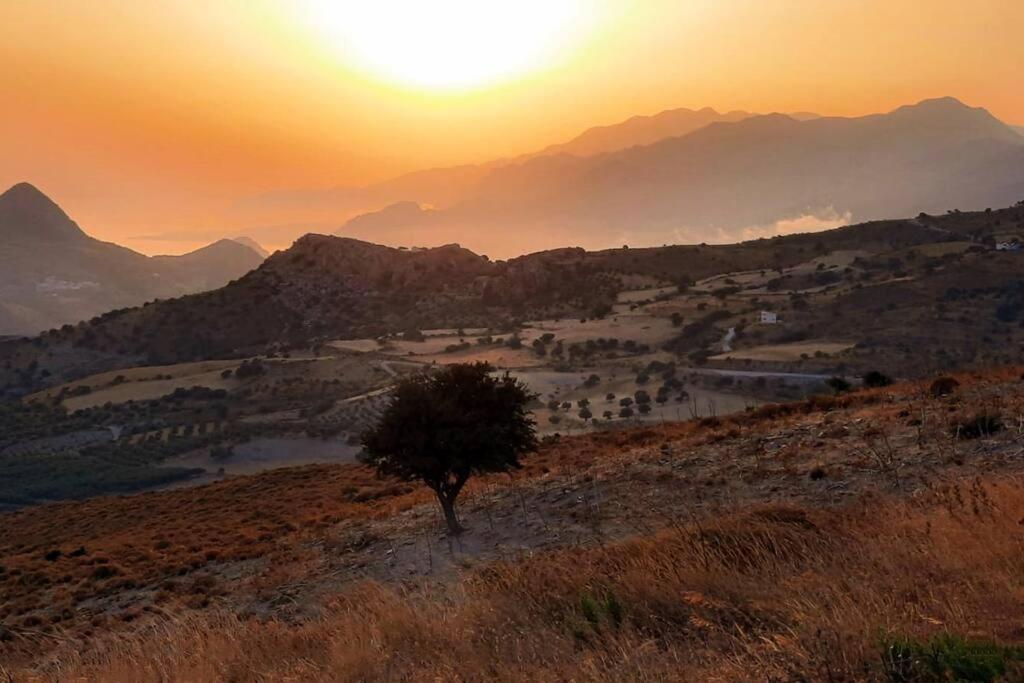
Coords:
pixel 442 427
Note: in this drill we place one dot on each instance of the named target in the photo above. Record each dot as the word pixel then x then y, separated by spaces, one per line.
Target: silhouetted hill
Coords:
pixel 328 287
pixel 728 181
pixel 52 273
pixel 29 216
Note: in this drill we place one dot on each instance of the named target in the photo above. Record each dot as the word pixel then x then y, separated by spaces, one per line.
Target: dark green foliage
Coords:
pixel 837 384
pixel 413 334
pixel 875 379
pixel 29 479
pixel 948 657
pixel 253 368
pixel 441 428
pixel 599 614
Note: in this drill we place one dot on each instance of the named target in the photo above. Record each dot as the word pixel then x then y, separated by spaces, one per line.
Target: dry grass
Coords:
pixel 162 587
pixel 776 593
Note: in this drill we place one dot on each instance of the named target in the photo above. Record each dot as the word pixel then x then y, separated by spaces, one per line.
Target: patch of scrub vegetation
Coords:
pixel 110 468
pixel 949 657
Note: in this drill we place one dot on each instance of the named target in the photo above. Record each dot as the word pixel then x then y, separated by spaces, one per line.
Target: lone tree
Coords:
pixel 441 428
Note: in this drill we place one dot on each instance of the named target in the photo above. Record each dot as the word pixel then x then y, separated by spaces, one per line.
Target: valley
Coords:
pixel 607 340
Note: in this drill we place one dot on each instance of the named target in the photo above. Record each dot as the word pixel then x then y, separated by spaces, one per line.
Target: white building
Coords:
pixel 1008 246
pixel 769 318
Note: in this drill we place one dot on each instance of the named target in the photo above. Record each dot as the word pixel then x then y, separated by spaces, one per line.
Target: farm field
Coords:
pixel 786 352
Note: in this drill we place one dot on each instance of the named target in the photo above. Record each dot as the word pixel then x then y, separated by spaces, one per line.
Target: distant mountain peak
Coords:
pixel 949 113
pixel 26 214
pixel 252 244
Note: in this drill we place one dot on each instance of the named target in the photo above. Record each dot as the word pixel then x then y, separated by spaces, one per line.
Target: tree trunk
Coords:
pixel 448 506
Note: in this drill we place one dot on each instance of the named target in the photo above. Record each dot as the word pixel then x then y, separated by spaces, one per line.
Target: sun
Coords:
pixel 448 44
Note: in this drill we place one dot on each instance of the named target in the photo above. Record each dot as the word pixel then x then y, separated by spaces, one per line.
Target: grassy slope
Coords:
pixel 783 541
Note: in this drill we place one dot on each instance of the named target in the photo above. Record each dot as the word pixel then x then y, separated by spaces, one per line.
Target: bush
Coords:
pixel 978 425
pixel 253 368
pixel 943 386
pixel 837 384
pixel 876 379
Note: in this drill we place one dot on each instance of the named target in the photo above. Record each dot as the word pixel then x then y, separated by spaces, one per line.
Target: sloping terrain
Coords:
pixel 823 538
pixel 52 273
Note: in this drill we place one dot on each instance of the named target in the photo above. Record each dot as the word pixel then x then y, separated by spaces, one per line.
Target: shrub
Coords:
pixel 978 425
pixel 876 379
pixel 253 368
pixel 943 386
pixel 837 384
pixel 947 657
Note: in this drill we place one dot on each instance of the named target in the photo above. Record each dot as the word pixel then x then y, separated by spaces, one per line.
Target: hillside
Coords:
pixel 882 285
pixel 788 541
pixel 327 287
pixel 52 273
pixel 731 180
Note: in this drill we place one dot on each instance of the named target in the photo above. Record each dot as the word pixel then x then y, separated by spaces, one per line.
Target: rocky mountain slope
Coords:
pixel 52 273
pixel 328 287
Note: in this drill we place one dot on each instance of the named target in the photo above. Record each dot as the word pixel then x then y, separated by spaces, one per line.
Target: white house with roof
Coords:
pixel 769 318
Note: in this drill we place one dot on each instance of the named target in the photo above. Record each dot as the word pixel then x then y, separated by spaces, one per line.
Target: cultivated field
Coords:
pixel 786 352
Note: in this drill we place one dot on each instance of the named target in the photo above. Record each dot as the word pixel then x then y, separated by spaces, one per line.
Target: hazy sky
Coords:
pixel 146 118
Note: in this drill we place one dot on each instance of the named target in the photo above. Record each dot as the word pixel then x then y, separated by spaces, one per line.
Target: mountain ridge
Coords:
pixel 53 273
pixel 924 157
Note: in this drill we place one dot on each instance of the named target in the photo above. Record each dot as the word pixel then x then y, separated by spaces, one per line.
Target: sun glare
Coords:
pixel 448 44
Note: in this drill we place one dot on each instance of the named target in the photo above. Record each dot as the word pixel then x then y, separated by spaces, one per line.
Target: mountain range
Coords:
pixel 445 186
pixel 52 273
pixel 731 176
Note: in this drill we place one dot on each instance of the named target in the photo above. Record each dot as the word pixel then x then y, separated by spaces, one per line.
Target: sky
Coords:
pixel 152 124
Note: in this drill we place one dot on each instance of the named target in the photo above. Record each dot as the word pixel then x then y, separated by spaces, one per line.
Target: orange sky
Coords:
pixel 144 118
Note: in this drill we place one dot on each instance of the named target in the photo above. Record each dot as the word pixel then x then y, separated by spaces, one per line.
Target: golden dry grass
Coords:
pixel 766 593
pixel 756 590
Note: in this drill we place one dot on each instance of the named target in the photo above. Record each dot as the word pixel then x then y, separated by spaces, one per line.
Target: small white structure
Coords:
pixel 769 318
pixel 1008 246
